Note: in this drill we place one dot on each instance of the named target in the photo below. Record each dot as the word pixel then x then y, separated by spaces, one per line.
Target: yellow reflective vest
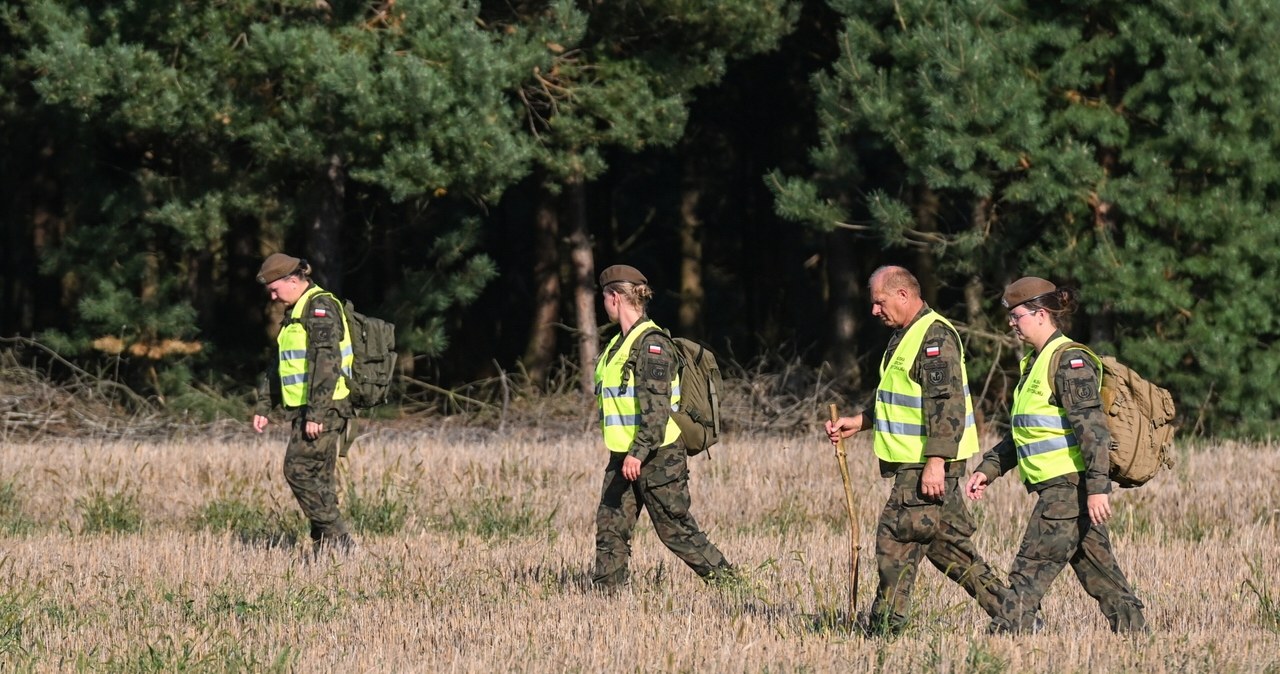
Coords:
pixel 1047 445
pixel 900 431
pixel 616 393
pixel 292 345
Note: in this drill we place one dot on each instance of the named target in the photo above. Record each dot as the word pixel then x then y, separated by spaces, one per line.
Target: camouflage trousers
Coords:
pixel 912 526
pixel 1060 533
pixel 663 490
pixel 309 468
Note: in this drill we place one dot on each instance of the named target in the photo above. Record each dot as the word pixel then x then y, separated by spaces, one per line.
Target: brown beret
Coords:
pixel 1026 289
pixel 621 272
pixel 277 266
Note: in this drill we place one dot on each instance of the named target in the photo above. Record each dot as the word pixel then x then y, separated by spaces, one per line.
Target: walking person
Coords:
pixel 1059 442
pixel 923 431
pixel 310 380
pixel 637 386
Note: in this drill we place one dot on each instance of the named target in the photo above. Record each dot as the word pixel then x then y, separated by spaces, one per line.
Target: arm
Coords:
pixel 939 369
pixel 266 393
pixel 995 462
pixel 1076 384
pixel 324 359
pixel 654 371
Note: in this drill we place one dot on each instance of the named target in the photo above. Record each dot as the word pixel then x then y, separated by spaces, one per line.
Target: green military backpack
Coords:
pixel 373 342
pixel 699 414
pixel 1140 417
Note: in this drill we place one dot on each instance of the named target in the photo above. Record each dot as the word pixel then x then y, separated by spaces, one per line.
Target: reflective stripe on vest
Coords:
pixel 616 398
pixel 292 344
pixel 899 409
pixel 1047 445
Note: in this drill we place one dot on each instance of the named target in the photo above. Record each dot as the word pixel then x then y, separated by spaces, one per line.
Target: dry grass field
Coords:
pixel 182 556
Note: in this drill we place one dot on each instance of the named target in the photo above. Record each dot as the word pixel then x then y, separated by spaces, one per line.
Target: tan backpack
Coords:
pixel 1140 417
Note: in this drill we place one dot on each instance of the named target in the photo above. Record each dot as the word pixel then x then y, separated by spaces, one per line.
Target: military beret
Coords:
pixel 277 266
pixel 1026 289
pixel 621 272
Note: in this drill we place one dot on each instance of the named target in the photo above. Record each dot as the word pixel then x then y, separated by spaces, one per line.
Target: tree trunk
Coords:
pixel 843 289
pixel 582 259
pixel 927 221
pixel 692 293
pixel 324 238
pixel 541 349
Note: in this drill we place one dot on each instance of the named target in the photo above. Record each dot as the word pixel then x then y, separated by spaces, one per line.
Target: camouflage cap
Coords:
pixel 277 266
pixel 621 272
pixel 1026 289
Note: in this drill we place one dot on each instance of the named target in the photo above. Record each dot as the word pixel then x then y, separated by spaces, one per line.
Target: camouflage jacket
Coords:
pixel 652 377
pixel 322 319
pixel 941 379
pixel 1076 391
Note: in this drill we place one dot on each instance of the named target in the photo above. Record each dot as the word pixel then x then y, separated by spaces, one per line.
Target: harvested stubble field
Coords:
pixel 182 555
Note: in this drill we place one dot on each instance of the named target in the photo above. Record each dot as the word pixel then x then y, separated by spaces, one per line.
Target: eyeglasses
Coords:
pixel 1015 317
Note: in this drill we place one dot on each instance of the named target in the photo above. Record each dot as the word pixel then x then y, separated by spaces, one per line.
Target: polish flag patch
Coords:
pixel 654 348
pixel 1077 363
pixel 319 311
pixel 932 351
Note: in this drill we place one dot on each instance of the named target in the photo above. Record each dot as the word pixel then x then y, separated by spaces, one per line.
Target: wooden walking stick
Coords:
pixel 854 546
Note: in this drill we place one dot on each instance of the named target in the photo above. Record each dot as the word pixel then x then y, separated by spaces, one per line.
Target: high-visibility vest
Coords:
pixel 292 344
pixel 616 393
pixel 1047 445
pixel 899 409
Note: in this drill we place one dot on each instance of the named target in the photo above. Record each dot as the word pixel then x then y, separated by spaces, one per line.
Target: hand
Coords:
pixel 976 487
pixel 260 422
pixel 933 481
pixel 313 429
pixel 843 428
pixel 631 468
pixel 1099 508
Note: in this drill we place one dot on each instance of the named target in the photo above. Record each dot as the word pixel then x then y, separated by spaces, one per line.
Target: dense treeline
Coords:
pixel 464 168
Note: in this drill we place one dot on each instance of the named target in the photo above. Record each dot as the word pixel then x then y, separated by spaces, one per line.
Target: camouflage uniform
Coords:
pixel 309 465
pixel 913 525
pixel 663 485
pixel 1060 531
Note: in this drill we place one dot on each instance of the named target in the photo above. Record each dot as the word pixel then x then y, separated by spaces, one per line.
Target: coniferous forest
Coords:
pixel 466 168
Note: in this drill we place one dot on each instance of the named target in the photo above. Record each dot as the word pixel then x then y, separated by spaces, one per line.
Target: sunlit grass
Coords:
pixel 475 555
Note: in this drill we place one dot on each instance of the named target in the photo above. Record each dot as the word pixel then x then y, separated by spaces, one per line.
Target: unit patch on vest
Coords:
pixel 1083 390
pixel 936 376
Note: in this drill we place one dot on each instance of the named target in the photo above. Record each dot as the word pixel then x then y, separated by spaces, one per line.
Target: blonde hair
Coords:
pixel 635 294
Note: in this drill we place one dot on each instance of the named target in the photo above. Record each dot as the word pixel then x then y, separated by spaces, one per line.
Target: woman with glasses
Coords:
pixel 1059 442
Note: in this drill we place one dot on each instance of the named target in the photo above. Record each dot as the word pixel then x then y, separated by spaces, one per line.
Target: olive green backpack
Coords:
pixel 698 416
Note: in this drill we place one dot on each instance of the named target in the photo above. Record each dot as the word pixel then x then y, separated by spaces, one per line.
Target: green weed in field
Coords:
pixel 981 660
pixel 1260 586
pixel 499 517
pixel 383 512
pixel 226 654
pixel 251 522
pixel 12 518
pixel 110 512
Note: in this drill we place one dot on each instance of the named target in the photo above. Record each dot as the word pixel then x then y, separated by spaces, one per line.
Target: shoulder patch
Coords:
pixel 655 349
pixel 1076 363
pixel 319 311
pixel 932 351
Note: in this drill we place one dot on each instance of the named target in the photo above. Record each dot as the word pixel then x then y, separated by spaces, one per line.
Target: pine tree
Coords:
pixel 1127 148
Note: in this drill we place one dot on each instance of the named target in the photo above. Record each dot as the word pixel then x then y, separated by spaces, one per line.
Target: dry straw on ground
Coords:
pixel 121 556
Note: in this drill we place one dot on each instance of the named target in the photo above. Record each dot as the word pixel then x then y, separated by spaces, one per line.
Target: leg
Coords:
pixel 1100 575
pixel 1053 534
pixel 615 520
pixel 309 469
pixel 907 523
pixel 954 554
pixel 665 493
